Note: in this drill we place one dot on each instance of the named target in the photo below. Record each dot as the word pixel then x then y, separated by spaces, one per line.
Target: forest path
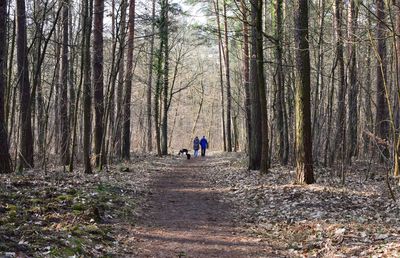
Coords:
pixel 185 216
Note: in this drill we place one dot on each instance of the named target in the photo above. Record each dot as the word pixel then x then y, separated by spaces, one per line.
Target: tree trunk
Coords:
pixel 319 87
pixel 353 87
pixel 283 139
pixel 64 121
pixel 157 98
pixel 126 133
pixel 121 75
pixel 87 21
pixel 98 83
pixel 221 75
pixel 304 162
pixel 5 158
pixel 150 80
pixel 396 157
pixel 382 111
pixel 26 136
pixel 246 70
pixel 165 36
pixel 339 147
pixel 228 85
pixel 256 136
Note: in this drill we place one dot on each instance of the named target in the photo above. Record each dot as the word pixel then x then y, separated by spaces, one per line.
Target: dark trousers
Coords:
pixel 203 152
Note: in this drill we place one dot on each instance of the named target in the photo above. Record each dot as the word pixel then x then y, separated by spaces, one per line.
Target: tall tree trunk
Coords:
pixel 396 171
pixel 228 84
pixel 382 111
pixel 339 147
pixel 150 80
pixel 165 36
pixel 5 158
pixel 56 137
pixel 353 87
pixel 157 94
pixel 319 86
pixel 257 12
pixel 283 139
pixel 304 162
pixel 221 75
pixel 26 136
pixel 64 121
pixel 121 76
pixel 256 115
pixel 246 69
pixel 98 12
pixel 87 22
pixel 126 133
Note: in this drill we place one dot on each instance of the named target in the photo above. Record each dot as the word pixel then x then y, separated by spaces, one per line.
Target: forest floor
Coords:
pixel 210 207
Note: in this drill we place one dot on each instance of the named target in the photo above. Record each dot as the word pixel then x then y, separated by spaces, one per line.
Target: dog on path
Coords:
pixel 185 152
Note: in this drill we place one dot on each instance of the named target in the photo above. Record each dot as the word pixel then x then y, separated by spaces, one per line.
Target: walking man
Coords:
pixel 204 146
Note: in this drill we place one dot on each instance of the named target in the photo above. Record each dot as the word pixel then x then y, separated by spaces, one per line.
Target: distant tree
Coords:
pixel 304 162
pixel 5 159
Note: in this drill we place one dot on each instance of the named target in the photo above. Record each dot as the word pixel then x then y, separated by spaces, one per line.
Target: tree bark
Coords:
pixel 382 111
pixel 221 75
pixel 283 138
pixel 5 158
pixel 339 147
pixel 304 162
pixel 120 87
pixel 26 136
pixel 353 87
pixel 98 84
pixel 246 70
pixel 228 84
pixel 64 121
pixel 165 36
pixel 87 21
pixel 256 136
pixel 126 133
pixel 150 80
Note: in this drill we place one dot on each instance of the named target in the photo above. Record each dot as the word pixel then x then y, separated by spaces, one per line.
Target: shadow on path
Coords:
pixel 186 216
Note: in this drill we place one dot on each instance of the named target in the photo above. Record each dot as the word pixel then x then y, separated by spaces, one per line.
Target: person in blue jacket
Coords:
pixel 204 146
pixel 196 144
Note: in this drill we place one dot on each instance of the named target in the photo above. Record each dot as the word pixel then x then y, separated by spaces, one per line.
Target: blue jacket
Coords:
pixel 203 143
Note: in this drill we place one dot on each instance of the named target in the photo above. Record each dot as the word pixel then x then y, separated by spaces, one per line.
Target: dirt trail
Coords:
pixel 186 217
